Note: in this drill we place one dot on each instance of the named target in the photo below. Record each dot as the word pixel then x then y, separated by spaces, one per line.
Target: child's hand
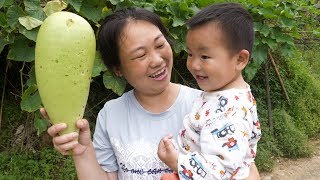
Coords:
pixel 168 153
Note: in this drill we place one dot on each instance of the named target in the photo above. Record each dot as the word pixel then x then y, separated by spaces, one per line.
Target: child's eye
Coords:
pixel 189 55
pixel 204 57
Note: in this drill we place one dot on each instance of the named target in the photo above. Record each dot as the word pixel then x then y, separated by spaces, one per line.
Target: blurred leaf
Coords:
pixel 115 83
pixel 92 9
pixel 13 13
pixel 76 4
pixel 34 9
pixel 39 123
pixel 5 41
pixel 32 78
pixel 259 56
pixel 30 100
pixel 270 42
pixel 54 6
pixel 267 12
pixel 3 20
pixel 21 51
pixel 5 3
pixel 115 2
pixel 30 34
pixel 98 65
pixel 316 32
pixel 259 53
pixel 2 3
pixel 287 50
pixel 29 22
pixel 262 28
pixel 287 23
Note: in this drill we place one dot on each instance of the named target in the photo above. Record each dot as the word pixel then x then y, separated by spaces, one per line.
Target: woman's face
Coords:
pixel 145 57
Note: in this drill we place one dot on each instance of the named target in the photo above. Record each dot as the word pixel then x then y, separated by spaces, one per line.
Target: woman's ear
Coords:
pixel 117 71
pixel 243 59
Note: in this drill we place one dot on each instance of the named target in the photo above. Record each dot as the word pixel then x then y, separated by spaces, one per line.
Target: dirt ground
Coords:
pixel 300 169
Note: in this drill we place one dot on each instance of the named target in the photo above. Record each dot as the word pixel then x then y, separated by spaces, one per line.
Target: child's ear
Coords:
pixel 243 59
pixel 117 71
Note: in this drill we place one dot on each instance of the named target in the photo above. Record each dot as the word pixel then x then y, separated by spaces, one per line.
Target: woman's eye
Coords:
pixel 140 56
pixel 160 46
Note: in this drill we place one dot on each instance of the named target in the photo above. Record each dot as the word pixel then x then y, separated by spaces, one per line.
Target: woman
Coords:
pixel 135 45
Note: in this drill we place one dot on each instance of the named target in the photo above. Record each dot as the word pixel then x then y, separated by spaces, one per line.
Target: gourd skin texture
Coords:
pixel 64 56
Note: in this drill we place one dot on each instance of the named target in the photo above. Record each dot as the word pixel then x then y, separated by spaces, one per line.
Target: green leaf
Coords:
pixel 287 22
pixel 32 77
pixel 316 32
pixel 3 20
pixel 34 9
pixel 32 34
pixel 92 9
pixel 76 4
pixel 40 123
pixel 287 50
pixel 259 53
pixel 270 42
pixel 267 12
pixel 181 13
pixel 54 6
pixel 98 65
pixel 13 13
pixel 115 2
pixel 262 28
pixel 21 51
pixel 285 38
pixel 115 83
pixel 2 3
pixel 30 101
pixel 205 3
pixel 259 56
pixel 5 3
pixel 5 40
pixel 29 22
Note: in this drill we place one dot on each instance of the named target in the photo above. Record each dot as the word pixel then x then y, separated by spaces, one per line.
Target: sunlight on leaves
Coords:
pixel 54 6
pixel 29 22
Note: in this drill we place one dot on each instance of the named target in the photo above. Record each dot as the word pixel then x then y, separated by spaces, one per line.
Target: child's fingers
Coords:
pixel 168 145
pixel 169 136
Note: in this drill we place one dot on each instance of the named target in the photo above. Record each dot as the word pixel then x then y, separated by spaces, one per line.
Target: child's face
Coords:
pixel 146 57
pixel 209 60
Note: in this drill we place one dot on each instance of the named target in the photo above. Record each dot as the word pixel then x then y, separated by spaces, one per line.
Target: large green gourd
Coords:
pixel 64 56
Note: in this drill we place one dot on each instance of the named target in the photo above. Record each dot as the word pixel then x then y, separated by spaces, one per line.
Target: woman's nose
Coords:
pixel 155 60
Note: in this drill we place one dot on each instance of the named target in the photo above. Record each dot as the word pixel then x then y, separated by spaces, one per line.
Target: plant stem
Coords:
pixel 3 92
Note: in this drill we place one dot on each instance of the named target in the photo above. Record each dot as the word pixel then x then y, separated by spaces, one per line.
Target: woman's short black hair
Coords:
pixel 112 27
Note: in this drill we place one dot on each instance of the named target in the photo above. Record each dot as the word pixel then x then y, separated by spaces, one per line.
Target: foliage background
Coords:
pixel 287 33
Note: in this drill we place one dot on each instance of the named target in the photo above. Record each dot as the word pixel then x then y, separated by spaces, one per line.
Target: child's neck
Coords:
pixel 237 83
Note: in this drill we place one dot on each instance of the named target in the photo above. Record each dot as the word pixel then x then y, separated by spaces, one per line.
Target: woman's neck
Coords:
pixel 159 102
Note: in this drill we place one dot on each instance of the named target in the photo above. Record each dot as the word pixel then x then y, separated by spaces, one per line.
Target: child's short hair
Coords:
pixel 236 24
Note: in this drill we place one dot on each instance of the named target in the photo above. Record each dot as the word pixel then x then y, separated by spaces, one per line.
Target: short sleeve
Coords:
pixel 102 145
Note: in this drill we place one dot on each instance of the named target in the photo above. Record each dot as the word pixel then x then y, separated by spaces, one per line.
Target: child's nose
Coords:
pixel 195 64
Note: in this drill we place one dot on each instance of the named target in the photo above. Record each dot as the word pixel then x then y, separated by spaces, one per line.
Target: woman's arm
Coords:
pixel 88 168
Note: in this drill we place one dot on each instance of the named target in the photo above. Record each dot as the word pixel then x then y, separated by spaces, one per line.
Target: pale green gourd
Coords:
pixel 64 56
